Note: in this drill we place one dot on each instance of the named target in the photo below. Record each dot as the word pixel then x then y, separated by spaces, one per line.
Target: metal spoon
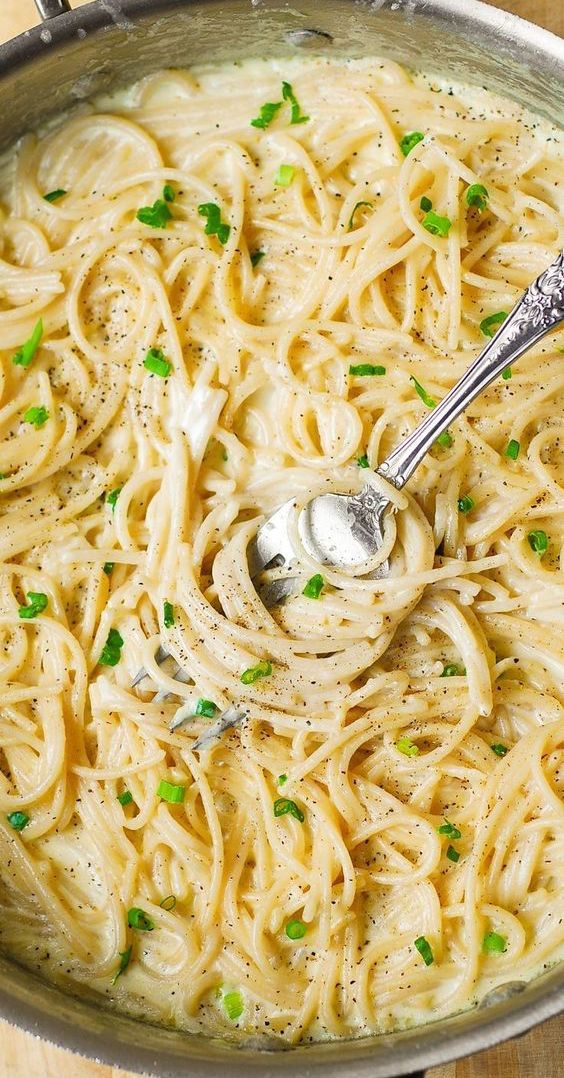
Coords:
pixel 345 530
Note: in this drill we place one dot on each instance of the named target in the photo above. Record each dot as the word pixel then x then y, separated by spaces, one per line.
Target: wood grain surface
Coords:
pixel 540 1054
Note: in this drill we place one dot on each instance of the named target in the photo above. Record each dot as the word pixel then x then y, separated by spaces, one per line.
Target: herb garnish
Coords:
pixel 37 604
pixel 314 587
pixel 124 957
pixel 266 115
pixel 487 324
pixel 295 930
pixel 168 614
pixel 297 114
pixel 493 943
pixel 538 541
pixel 406 746
pixel 171 792
pixel 366 370
pixel 38 416
pixel 18 820
pixel 137 918
pixel 158 215
pixel 424 948
pixel 111 652
pixel 262 669
pixel 477 195
pixel 284 176
pixel 54 196
pixel 357 207
pixel 207 708
pixel 214 225
pixel 435 224
pixel 284 806
pixel 465 503
pixel 512 450
pixel 410 140
pixel 24 355
pixel 156 362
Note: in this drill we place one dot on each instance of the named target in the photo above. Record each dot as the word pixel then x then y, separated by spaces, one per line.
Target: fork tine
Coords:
pixel 271 540
pixel 179 675
pixel 160 656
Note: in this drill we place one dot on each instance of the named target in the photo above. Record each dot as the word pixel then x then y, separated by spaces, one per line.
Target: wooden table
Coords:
pixel 540 1054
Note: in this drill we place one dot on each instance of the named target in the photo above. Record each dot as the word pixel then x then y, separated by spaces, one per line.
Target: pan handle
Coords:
pixel 49 8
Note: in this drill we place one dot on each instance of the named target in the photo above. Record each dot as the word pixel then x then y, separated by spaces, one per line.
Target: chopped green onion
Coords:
pixel 295 930
pixel 111 652
pixel 156 216
pixel 452 854
pixel 214 225
pixel 513 448
pixel 452 670
pixel 445 439
pixel 284 176
pixel 156 362
pixel 493 943
pixel 289 95
pixel 283 805
pixel 363 461
pixel 477 195
pixel 170 792
pixel 24 355
pixel 206 708
pixel 37 416
pixel 18 820
pixel 168 614
pixel 124 957
pixel 282 779
pixel 465 504
pixel 429 401
pixel 169 194
pixel 499 749
pixel 357 207
pixel 447 828
pixel 112 497
pixel 262 669
pixel 137 918
pixel 506 374
pixel 37 604
pixel 126 798
pixel 424 948
pixel 486 325
pixel 410 140
pixel 54 196
pixel 314 587
pixel 168 903
pixel 366 370
pixel 233 1004
pixel 425 204
pixel 406 746
pixel 538 541
pixel 435 224
pixel 256 257
pixel 108 567
pixel 267 113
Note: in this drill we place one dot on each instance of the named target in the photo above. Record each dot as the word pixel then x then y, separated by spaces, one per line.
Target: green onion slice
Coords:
pixel 262 669
pixel 124 957
pixel 156 362
pixel 512 450
pixel 424 948
pixel 465 504
pixel 314 587
pixel 169 194
pixel 113 496
pixel 288 94
pixel 233 1003
pixel 410 140
pixel 499 749
pixel 284 176
pixel 54 196
pixel 452 854
pixel 38 416
pixel 171 792
pixel 284 806
pixel 435 224
pixel 214 225
pixel 487 324
pixel 168 614
pixel 282 779
pixel 425 204
pixel 37 604
pixel 406 746
pixel 493 943
pixel 256 257
pixel 358 205
pixel 156 216
pixel 137 918
pixel 18 820
pixel 295 930
pixel 168 903
pixel 477 195
pixel 429 401
pixel 125 798
pixel 450 830
pixel 111 652
pixel 366 370
pixel 108 567
pixel 206 708
pixel 363 461
pixel 26 353
pixel 538 541
pixel 506 374
pixel 445 439
pixel 267 113
pixel 452 670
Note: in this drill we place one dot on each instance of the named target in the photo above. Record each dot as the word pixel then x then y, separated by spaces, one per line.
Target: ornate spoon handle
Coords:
pixel 540 309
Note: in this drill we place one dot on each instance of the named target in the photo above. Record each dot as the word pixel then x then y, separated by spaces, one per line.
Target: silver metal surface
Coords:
pixel 109 43
pixel 49 9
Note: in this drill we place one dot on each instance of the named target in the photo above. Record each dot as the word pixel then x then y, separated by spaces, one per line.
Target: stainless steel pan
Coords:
pixel 112 42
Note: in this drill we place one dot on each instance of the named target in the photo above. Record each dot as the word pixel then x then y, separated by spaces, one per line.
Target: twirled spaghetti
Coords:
pixel 382 839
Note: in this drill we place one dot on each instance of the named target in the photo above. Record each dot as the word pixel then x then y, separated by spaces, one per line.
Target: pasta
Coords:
pixel 200 317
